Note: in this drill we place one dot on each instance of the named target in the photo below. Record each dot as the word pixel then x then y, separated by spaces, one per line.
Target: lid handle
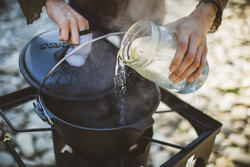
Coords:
pixel 61 52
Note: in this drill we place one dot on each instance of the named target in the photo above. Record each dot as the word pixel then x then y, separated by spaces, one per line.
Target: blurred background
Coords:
pixel 225 96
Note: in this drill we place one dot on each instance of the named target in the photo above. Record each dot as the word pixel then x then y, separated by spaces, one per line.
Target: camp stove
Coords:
pixel 206 128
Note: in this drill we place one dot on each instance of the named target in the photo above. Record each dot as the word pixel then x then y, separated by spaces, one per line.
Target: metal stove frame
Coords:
pixel 206 127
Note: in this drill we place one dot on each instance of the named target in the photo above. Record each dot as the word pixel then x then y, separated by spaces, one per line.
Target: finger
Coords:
pixel 182 45
pixel 83 24
pixel 74 36
pixel 188 59
pixel 193 66
pixel 202 66
pixel 64 31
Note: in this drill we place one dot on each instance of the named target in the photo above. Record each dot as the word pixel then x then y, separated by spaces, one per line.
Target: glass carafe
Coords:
pixel 149 49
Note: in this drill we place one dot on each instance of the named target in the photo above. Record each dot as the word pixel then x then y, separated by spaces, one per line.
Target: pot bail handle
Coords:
pixel 71 53
pixel 41 107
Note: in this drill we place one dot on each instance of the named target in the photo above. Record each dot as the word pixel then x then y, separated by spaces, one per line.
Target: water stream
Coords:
pixel 120 89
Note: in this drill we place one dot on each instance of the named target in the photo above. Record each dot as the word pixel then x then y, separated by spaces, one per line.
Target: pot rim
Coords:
pixel 54 117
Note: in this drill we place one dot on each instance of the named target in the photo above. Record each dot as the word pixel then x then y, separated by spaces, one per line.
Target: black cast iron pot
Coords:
pixel 79 101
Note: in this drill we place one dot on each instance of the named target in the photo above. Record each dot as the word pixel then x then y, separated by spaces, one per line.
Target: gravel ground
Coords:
pixel 225 96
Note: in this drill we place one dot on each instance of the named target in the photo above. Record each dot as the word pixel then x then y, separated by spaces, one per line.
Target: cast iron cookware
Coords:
pixel 93 79
pixel 80 101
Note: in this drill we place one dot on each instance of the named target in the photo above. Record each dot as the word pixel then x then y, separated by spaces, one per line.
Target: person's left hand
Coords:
pixel 69 20
pixel 190 57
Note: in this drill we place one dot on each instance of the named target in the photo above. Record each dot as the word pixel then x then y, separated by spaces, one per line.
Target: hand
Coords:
pixel 69 21
pixel 190 57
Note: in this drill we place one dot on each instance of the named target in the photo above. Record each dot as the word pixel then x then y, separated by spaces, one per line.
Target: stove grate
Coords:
pixel 206 128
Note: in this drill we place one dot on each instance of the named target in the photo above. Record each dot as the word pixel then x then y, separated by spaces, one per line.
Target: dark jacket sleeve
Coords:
pixel 31 9
pixel 220 4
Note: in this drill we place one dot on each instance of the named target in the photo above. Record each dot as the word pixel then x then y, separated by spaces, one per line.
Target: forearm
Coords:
pixel 221 4
pixel 31 9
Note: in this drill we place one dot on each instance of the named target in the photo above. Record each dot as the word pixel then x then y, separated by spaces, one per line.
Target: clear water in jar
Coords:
pixel 153 64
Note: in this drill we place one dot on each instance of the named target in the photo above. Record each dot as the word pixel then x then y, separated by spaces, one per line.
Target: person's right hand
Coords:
pixel 191 31
pixel 69 21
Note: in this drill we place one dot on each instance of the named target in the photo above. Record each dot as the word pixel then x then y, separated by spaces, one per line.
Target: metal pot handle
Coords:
pixel 42 112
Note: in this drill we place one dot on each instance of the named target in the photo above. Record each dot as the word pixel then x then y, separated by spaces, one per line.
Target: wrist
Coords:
pixel 205 13
pixel 48 2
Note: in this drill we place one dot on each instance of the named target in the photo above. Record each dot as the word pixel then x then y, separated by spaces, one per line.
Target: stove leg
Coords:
pixel 200 163
pixel 204 153
pixel 121 162
pixel 58 145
